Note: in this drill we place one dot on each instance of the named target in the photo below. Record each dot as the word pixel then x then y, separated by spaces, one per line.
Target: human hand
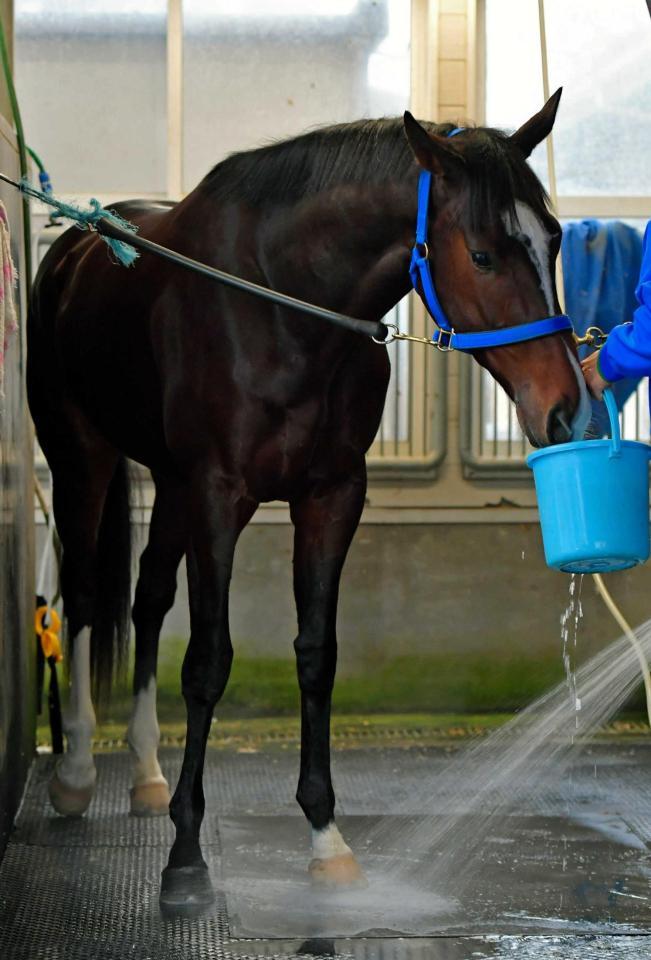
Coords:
pixel 594 380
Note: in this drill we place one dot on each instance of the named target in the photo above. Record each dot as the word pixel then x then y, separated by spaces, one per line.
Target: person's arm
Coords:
pixel 627 352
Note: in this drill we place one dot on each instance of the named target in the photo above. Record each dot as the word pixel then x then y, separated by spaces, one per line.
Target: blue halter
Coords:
pixel 445 337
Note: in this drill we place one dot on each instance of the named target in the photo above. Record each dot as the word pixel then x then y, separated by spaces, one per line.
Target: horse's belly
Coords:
pixel 280 465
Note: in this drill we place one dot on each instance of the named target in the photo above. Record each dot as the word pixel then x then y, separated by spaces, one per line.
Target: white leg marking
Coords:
pixel 144 736
pixel 584 409
pixel 328 843
pixel 529 230
pixel 76 769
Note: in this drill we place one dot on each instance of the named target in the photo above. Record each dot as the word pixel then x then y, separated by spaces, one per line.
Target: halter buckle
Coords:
pixel 593 337
pixel 440 341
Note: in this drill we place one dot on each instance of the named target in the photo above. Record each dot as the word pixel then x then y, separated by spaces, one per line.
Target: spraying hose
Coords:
pixel 600 586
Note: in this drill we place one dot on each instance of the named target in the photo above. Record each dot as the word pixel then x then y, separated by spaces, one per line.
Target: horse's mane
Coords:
pixel 372 151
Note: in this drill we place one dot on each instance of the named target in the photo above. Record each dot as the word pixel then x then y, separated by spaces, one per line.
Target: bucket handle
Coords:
pixel 613 413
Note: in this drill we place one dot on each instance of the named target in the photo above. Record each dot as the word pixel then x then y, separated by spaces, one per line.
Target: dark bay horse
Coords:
pixel 232 402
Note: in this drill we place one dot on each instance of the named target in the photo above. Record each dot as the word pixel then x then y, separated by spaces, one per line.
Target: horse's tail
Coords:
pixel 112 616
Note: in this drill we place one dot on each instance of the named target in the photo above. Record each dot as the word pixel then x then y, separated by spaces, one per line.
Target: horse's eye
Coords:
pixel 481 259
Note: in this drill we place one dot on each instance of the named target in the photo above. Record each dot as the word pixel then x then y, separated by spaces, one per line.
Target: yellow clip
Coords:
pixel 50 643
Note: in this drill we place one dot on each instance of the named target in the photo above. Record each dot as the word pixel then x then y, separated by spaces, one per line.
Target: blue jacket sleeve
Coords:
pixel 627 352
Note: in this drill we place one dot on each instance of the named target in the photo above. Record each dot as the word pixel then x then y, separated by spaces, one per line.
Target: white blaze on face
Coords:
pixel 529 230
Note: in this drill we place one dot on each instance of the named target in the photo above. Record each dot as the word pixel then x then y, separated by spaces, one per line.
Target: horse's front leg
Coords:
pixel 154 597
pixel 217 515
pixel 325 522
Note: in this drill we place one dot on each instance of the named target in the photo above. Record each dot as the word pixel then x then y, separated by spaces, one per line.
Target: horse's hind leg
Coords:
pixel 218 514
pixel 83 467
pixel 325 522
pixel 155 593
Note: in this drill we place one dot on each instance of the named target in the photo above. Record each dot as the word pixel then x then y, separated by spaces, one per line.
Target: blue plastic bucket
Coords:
pixel 593 500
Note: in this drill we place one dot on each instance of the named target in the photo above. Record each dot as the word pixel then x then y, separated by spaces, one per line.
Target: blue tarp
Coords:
pixel 601 266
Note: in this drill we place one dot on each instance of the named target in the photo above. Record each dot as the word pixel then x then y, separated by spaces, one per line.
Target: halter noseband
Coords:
pixel 445 338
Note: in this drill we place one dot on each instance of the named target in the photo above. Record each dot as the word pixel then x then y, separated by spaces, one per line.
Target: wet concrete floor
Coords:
pixel 531 875
pixel 88 888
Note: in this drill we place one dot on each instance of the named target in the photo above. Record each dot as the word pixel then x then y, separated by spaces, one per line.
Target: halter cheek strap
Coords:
pixel 445 337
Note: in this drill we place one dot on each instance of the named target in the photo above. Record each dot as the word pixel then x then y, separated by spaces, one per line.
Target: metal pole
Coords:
pixel 551 165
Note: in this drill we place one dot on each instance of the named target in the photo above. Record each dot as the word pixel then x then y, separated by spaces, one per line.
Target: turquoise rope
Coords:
pixel 86 219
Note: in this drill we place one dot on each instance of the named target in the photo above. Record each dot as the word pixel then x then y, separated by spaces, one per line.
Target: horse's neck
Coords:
pixel 347 248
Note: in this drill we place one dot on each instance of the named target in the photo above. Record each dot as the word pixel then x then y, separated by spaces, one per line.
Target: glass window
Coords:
pixel 90 78
pixel 599 52
pixel 255 71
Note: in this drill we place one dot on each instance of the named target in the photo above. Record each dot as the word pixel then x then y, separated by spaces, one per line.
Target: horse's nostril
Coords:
pixel 559 428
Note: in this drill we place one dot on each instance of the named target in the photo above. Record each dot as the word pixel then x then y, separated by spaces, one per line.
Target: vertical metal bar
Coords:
pixel 480 378
pixel 410 388
pixel 509 443
pixel 384 419
pixel 175 99
pixel 426 389
pixel 623 420
pixel 396 397
pixel 495 418
pixel 551 165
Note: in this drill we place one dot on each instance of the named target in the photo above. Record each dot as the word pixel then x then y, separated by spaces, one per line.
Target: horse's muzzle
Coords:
pixel 559 425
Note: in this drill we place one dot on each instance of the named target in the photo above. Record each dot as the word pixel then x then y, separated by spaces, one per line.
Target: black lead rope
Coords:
pixel 106 227
pixel 369 328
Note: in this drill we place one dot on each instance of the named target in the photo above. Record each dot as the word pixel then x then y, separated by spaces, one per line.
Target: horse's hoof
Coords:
pixel 340 871
pixel 186 891
pixel 69 801
pixel 150 800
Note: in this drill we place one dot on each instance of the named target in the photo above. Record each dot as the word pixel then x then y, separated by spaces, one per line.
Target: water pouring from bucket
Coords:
pixel 593 500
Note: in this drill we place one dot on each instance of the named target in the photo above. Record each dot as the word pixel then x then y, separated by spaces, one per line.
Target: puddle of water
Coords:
pixel 585 947
pixel 516 887
pixel 274 906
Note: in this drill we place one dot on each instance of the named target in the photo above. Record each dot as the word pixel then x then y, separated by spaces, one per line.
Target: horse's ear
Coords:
pixel 432 152
pixel 538 127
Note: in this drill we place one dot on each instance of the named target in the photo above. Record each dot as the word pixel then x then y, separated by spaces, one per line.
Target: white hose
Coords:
pixel 629 633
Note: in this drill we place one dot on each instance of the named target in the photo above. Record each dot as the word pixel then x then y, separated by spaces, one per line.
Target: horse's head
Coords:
pixel 493 246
